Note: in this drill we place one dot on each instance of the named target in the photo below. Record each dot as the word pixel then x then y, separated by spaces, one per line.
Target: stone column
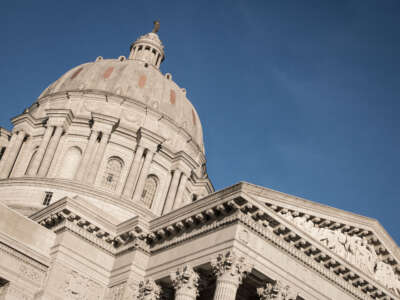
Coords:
pixel 143 175
pixel 185 281
pixel 96 161
pixel 230 269
pixel 87 155
pixel 11 153
pixel 148 290
pixel 172 191
pixel 179 194
pixel 40 152
pixel 51 149
pixel 133 173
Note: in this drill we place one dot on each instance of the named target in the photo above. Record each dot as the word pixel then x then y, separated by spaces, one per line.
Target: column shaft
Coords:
pixel 96 161
pixel 143 175
pixel 51 149
pixel 133 173
pixel 179 194
pixel 87 156
pixel 184 296
pixel 172 191
pixel 11 153
pixel 40 152
pixel 225 290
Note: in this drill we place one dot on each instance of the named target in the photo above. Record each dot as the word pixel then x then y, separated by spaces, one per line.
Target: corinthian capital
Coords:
pixel 185 279
pixel 276 291
pixel 230 264
pixel 148 290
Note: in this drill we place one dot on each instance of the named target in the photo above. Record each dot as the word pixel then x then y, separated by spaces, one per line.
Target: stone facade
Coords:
pixel 105 195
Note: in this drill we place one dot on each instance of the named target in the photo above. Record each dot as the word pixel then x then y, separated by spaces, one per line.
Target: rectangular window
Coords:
pixel 47 198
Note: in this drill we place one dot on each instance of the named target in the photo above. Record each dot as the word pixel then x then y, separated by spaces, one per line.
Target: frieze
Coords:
pixel 277 291
pixel 353 248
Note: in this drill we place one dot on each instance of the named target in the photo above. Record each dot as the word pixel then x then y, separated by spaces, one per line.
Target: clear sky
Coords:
pixel 298 96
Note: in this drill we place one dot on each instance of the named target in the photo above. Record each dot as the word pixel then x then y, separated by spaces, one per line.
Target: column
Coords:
pixel 148 290
pixel 51 149
pixel 179 194
pixel 172 191
pixel 96 161
pixel 230 269
pixel 133 173
pixel 11 153
pixel 185 281
pixel 87 155
pixel 143 175
pixel 40 152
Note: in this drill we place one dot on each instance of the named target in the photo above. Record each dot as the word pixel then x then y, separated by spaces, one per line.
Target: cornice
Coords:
pixel 111 239
pixel 71 185
pixel 234 206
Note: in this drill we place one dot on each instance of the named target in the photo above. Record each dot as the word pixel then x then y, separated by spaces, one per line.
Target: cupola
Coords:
pixel 149 48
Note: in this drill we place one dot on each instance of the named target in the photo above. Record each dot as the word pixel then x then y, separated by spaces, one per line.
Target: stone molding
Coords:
pixel 148 290
pixel 114 243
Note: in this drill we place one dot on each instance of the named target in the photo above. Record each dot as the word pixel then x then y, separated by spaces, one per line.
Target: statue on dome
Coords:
pixel 156 27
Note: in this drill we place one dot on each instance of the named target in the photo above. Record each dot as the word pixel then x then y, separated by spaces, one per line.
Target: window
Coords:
pixel 112 173
pixel 2 150
pixel 47 198
pixel 149 191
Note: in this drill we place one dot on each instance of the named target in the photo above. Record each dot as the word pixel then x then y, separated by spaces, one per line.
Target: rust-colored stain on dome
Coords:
pixel 108 72
pixel 194 117
pixel 172 97
pixel 76 73
pixel 142 81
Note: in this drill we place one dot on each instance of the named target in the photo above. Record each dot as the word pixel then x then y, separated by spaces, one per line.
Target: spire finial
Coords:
pixel 156 27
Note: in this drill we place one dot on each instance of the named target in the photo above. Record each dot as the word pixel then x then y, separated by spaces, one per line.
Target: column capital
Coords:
pixel 103 123
pixel 59 117
pixel 148 290
pixel 277 291
pixel 230 266
pixel 149 139
pixel 186 280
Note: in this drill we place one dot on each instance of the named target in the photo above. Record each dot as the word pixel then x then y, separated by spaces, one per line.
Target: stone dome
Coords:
pixel 138 80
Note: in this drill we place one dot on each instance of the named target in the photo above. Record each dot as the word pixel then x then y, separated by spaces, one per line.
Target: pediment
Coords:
pixel 362 242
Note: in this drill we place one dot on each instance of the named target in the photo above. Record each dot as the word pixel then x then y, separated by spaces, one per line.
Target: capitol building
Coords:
pixel 104 194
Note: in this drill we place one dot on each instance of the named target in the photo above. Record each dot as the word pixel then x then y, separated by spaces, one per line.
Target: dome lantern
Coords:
pixel 149 48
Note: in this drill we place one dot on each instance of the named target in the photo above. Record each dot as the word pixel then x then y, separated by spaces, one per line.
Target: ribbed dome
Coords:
pixel 135 80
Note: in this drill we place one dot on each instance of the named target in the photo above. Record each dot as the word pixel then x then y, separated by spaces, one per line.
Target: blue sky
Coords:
pixel 297 96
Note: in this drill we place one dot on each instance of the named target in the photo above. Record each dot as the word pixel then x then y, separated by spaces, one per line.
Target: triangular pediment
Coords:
pixel 360 241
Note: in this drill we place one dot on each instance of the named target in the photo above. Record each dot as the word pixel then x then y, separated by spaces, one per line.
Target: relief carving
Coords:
pixel 30 273
pixel 354 249
pixel 78 287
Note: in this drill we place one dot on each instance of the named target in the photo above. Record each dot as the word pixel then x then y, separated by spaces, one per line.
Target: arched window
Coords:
pixel 112 173
pixel 149 191
pixel 70 163
pixel 31 161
